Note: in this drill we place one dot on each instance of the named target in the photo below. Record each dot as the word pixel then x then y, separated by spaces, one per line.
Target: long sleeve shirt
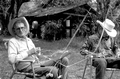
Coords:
pixel 104 48
pixel 18 50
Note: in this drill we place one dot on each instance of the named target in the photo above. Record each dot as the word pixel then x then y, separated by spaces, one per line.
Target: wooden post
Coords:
pixel 68 28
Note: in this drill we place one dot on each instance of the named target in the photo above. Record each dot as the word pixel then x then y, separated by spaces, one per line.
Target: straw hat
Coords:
pixel 11 24
pixel 108 26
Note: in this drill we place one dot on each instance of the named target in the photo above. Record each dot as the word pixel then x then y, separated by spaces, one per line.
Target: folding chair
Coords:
pixel 32 74
pixel 90 63
pixel 26 74
pixel 113 70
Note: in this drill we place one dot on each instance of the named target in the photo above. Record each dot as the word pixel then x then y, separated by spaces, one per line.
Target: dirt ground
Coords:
pixel 75 67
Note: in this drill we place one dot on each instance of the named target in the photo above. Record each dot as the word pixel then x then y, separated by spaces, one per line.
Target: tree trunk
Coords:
pixel 15 6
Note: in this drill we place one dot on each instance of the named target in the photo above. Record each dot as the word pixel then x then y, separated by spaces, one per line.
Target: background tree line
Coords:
pixel 105 8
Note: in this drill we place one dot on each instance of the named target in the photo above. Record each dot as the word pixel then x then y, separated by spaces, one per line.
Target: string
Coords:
pixel 72 37
pixel 75 32
pixel 91 57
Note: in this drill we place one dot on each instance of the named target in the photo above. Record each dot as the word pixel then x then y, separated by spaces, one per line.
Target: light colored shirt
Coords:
pixel 18 50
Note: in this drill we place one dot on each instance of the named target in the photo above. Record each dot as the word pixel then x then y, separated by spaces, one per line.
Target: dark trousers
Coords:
pixel 55 67
pixel 101 64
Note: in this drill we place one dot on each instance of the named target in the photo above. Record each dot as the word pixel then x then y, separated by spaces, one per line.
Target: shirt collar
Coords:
pixel 21 39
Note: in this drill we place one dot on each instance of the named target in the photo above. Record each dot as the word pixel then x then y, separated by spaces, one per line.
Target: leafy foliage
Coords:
pixel 51 30
pixel 63 2
pixel 89 26
pixel 105 9
pixel 4 6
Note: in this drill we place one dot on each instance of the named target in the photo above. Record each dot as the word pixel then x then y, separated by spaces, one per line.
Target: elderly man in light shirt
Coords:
pixel 20 47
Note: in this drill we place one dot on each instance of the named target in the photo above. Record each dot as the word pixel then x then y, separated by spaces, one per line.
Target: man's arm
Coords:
pixel 12 53
pixel 114 46
pixel 84 49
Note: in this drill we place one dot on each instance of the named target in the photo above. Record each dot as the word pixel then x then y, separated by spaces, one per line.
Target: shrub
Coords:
pixel 49 30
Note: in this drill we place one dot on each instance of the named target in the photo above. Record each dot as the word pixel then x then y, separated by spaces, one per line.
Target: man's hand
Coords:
pixel 84 52
pixel 118 53
pixel 36 50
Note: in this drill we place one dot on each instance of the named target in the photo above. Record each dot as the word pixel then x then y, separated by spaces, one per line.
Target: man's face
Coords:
pixel 105 38
pixel 20 29
pixel 104 34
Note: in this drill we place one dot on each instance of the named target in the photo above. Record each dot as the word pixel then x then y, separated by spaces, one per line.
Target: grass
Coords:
pixel 74 71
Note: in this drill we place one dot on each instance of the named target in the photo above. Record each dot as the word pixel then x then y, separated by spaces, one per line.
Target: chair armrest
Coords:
pixel 28 61
pixel 112 69
pixel 31 61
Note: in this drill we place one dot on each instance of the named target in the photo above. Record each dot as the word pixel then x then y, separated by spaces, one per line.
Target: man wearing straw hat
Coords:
pixel 20 47
pixel 102 45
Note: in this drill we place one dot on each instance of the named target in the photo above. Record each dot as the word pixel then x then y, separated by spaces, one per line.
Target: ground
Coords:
pixel 77 62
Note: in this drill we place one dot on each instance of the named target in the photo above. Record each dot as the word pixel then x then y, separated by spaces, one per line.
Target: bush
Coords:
pixel 49 30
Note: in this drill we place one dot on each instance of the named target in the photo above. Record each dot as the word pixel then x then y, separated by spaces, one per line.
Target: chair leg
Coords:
pixel 33 71
pixel 65 76
pixel 85 69
pixel 111 74
pixel 25 77
pixel 91 59
pixel 12 75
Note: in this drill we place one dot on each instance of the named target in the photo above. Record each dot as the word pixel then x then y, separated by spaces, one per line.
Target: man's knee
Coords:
pixel 65 61
pixel 54 69
pixel 99 62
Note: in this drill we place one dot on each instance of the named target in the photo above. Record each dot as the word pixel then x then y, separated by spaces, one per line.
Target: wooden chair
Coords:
pixel 32 74
pixel 26 74
pixel 113 70
pixel 89 63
